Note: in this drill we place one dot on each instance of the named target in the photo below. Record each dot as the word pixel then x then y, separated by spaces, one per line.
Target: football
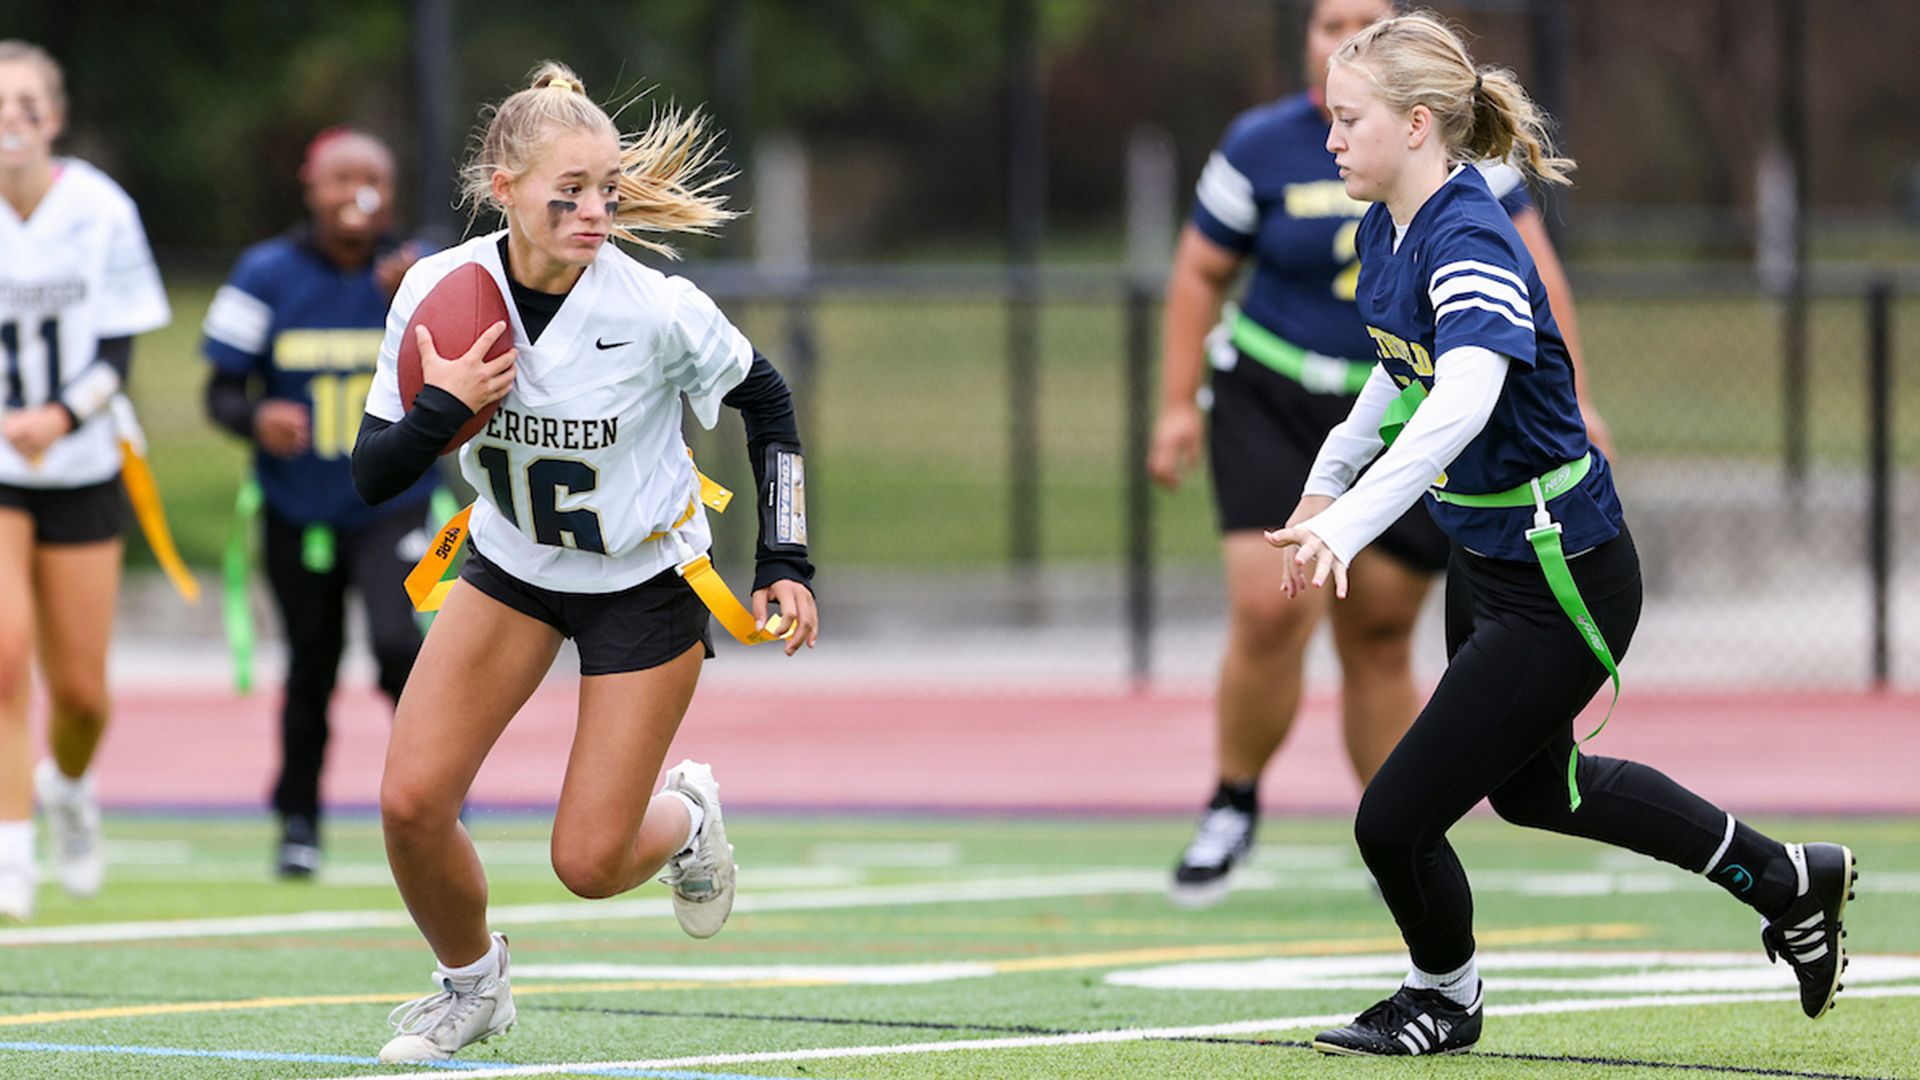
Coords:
pixel 455 312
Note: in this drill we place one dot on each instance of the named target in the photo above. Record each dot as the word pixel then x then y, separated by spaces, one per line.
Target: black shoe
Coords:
pixel 299 853
pixel 1224 837
pixel 1808 935
pixel 1408 1023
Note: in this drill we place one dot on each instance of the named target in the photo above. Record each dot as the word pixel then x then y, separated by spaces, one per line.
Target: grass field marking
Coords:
pixel 988 890
pixel 1527 935
pixel 918 973
pixel 175 1008
pixel 835 974
pixel 1669 972
pixel 794 976
pixel 327 1059
pixel 1241 1027
pixel 874 853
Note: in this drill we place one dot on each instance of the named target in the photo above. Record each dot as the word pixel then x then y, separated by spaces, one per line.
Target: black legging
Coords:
pixel 1500 726
pixel 313 615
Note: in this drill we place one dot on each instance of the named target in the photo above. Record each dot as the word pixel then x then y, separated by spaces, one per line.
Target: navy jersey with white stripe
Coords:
pixel 1272 190
pixel 1462 277
pixel 312 333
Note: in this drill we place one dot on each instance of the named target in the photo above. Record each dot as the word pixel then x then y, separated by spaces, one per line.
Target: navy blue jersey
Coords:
pixel 1272 189
pixel 311 332
pixel 1463 277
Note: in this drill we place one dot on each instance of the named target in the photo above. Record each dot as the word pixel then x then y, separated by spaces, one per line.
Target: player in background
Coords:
pixel 77 283
pixel 588 502
pixel 1286 367
pixel 293 338
pixel 1473 400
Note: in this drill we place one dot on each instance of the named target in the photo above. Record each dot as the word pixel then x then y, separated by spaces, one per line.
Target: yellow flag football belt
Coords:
pixel 428 587
pixel 144 493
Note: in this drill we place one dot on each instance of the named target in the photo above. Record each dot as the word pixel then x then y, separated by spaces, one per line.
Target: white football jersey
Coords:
pixel 77 271
pixel 585 459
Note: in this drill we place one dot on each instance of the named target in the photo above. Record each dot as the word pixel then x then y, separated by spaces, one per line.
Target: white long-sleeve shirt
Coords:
pixel 1466 385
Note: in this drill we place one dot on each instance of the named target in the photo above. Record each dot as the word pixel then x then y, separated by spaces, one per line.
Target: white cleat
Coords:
pixel 461 1013
pixel 19 877
pixel 73 815
pixel 702 876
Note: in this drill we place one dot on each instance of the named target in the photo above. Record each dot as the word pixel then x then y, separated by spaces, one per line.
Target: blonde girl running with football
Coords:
pixel 77 283
pixel 588 503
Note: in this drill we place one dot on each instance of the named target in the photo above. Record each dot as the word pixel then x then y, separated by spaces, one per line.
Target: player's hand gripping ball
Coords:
pixel 457 314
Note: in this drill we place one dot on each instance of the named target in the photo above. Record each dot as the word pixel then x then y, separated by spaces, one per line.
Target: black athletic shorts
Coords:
pixel 1262 437
pixel 82 515
pixel 630 630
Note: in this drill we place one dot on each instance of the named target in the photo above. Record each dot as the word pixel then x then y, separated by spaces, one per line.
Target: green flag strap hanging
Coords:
pixel 317 549
pixel 1545 538
pixel 236 569
pixel 1400 411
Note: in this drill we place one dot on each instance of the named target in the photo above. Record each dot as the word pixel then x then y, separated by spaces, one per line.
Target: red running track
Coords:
pixel 1839 753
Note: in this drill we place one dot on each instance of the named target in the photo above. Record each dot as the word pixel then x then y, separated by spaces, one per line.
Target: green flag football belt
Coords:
pixel 1545 539
pixel 318 551
pixel 1319 374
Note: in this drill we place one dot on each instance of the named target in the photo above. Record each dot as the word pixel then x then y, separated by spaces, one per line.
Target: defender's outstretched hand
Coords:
pixel 1312 549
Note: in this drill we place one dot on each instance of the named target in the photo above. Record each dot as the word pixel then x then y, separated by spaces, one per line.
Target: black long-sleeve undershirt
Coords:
pixel 229 403
pixel 766 408
pixel 389 457
pixel 115 353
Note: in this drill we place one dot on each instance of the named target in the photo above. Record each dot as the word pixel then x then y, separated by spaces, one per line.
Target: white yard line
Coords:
pixel 990 890
pixel 1242 1027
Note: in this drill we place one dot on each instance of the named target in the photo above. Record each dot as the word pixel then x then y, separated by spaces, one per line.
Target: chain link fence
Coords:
pixel 975 477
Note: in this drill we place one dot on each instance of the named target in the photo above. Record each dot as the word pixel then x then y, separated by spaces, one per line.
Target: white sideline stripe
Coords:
pixel 1242 1027
pixel 1106 882
pixel 838 974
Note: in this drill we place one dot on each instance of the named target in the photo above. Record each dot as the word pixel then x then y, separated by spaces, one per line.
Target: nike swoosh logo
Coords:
pixel 600 344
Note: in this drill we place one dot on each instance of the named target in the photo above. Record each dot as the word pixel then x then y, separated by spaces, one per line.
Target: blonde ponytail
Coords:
pixel 1483 114
pixel 667 179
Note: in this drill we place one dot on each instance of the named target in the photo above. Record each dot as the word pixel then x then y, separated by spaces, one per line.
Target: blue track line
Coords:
pixel 346 1059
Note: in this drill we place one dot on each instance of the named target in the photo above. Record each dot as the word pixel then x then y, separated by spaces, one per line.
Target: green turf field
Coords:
pixel 945 947
pixel 907 421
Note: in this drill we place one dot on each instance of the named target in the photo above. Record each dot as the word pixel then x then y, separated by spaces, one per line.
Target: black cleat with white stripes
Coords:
pixel 1410 1022
pixel 1808 935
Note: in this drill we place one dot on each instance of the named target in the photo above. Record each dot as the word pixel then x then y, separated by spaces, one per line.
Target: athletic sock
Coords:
pixel 64 788
pixel 1460 986
pixel 1754 868
pixel 16 841
pixel 1244 797
pixel 479 969
pixel 696 817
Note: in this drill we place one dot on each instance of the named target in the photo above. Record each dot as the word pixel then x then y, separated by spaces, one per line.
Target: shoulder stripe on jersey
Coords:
pixel 239 319
pixel 1482 267
pixel 1466 302
pixel 1228 195
pixel 1460 284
